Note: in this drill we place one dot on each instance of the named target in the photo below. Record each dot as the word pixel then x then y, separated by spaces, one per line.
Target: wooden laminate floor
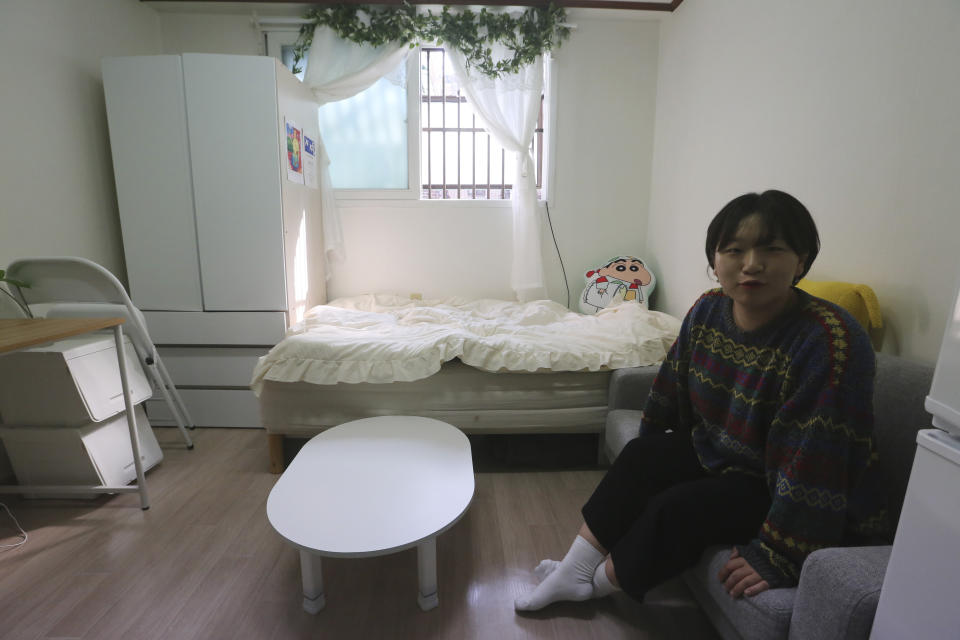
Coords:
pixel 203 562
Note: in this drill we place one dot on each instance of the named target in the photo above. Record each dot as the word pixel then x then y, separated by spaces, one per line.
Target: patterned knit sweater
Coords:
pixel 791 402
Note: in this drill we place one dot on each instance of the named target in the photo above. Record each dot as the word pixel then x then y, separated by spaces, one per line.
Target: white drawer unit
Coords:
pixel 263 328
pixel 212 408
pixel 80 382
pixel 211 366
pixel 210 357
pixel 222 230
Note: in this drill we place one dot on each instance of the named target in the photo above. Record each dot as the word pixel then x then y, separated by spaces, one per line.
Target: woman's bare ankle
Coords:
pixel 587 535
pixel 611 574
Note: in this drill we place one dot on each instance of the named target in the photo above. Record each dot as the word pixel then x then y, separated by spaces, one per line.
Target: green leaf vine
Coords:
pixel 531 34
pixel 16 283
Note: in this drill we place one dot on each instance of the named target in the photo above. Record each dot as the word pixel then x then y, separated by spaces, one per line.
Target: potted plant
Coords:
pixel 16 283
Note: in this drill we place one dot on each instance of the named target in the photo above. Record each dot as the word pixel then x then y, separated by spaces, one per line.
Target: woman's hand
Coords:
pixel 739 578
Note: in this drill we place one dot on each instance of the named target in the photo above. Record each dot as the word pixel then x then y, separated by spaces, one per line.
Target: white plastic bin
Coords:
pixel 96 453
pixel 68 383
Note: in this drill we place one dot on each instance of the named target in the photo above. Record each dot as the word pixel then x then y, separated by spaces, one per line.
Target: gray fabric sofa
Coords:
pixel 839 587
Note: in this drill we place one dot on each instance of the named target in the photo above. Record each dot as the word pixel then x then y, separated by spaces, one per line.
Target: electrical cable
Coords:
pixel 8 547
pixel 559 257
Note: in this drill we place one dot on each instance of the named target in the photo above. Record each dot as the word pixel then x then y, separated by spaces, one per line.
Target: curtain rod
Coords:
pixel 259 21
pixel 630 5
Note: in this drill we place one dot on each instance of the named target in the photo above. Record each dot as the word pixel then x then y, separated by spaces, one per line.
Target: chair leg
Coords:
pixel 168 397
pixel 176 395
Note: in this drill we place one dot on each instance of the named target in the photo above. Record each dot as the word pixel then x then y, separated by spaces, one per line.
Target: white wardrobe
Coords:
pixel 221 229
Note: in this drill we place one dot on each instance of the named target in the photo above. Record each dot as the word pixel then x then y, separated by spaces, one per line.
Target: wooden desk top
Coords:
pixel 19 333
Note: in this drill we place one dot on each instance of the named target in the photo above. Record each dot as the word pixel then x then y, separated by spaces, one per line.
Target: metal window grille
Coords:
pixel 458 159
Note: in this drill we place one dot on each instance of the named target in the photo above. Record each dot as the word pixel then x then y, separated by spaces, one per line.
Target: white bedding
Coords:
pixel 385 338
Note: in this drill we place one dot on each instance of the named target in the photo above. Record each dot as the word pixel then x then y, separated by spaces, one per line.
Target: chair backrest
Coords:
pixel 70 286
pixel 66 279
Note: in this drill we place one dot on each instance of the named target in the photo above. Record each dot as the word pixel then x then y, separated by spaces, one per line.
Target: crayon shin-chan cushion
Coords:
pixel 620 279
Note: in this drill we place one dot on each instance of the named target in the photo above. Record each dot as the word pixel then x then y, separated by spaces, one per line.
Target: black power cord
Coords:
pixel 559 257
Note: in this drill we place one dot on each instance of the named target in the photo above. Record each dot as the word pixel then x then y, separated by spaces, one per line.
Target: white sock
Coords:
pixel 601 582
pixel 571 579
pixel 545 568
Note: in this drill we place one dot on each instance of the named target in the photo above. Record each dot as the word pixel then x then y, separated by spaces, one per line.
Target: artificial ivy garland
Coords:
pixel 536 31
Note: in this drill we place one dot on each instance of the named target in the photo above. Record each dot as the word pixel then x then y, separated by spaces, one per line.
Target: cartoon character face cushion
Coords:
pixel 621 279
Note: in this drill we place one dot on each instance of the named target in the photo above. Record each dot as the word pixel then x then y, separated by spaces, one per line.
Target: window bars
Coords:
pixel 459 162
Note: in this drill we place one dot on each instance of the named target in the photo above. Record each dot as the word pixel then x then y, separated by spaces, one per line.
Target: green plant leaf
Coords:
pixel 531 34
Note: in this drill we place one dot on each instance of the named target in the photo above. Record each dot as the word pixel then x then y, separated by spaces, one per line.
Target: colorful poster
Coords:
pixel 294 153
pixel 309 161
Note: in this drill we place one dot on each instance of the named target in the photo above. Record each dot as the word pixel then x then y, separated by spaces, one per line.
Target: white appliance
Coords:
pixel 919 594
pixel 223 244
pixel 944 399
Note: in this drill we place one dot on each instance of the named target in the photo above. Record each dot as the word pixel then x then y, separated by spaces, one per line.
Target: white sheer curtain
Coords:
pixel 338 69
pixel 507 108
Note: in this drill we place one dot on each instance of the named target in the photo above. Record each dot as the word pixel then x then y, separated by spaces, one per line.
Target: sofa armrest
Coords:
pixel 838 593
pixel 630 387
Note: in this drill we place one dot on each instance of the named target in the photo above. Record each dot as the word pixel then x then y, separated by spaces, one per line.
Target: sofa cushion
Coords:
pixel 838 593
pixel 765 616
pixel 630 387
pixel 622 426
pixel 900 389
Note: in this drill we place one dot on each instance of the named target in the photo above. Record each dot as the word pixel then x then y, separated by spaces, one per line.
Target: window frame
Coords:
pixel 428 130
pixel 412 192
pixel 275 39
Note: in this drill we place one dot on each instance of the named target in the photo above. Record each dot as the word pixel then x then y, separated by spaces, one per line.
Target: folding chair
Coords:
pixel 77 287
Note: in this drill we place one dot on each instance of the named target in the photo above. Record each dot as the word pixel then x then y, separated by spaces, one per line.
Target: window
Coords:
pixel 278 42
pixel 458 159
pixel 368 137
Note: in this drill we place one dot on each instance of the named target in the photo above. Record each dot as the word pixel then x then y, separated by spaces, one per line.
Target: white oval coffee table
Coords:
pixel 372 487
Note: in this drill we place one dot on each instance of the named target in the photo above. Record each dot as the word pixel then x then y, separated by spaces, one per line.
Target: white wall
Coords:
pixel 850 106
pixel 607 75
pixel 210 33
pixel 606 92
pixel 57 193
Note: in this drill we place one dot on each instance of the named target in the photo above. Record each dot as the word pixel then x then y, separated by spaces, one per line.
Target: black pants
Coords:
pixel 656 510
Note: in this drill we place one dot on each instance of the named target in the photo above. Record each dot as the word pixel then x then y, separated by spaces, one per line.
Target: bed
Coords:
pixel 485 366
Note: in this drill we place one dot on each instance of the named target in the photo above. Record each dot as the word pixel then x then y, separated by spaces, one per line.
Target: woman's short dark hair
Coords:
pixel 780 214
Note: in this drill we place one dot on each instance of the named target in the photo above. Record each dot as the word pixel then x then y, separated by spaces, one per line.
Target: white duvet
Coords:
pixel 386 338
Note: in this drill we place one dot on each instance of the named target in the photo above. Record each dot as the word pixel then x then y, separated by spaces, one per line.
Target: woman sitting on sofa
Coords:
pixel 757 431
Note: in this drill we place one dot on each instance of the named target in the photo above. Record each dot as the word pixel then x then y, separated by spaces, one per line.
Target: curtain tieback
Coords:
pixel 525 163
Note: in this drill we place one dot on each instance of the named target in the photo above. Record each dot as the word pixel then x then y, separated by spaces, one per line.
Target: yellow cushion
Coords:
pixel 858 299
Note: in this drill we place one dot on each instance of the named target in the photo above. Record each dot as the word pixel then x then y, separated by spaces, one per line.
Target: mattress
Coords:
pixel 476 401
pixel 387 339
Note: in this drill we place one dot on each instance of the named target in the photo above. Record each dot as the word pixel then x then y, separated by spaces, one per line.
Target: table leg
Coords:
pixel 427 574
pixel 313 599
pixel 131 418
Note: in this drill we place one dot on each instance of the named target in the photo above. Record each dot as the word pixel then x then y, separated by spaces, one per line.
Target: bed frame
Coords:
pixel 475 401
